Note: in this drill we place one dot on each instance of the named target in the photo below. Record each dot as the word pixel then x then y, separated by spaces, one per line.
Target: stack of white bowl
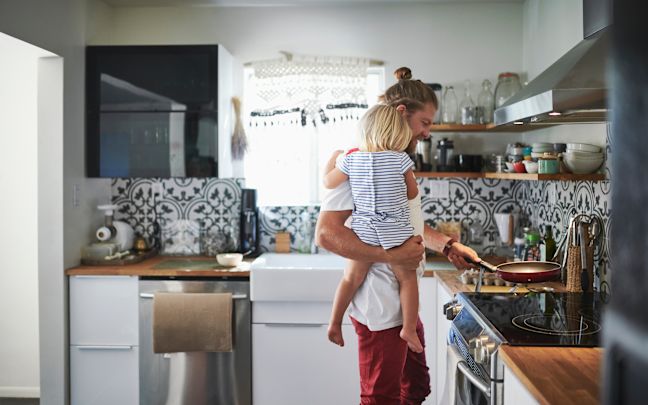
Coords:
pixel 583 158
pixel 540 148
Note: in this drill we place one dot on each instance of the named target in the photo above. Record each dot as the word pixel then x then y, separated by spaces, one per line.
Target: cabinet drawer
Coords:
pixel 104 375
pixel 104 310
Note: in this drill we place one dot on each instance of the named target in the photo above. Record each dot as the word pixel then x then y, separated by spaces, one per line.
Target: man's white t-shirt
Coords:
pixel 376 304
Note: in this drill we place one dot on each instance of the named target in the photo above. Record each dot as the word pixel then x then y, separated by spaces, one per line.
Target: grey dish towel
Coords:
pixel 192 322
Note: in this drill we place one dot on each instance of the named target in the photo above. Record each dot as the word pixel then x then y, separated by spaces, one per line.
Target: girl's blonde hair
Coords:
pixel 384 128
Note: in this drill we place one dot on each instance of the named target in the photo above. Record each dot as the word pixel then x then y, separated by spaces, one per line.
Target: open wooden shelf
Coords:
pixel 465 175
pixel 486 128
pixel 515 176
pixel 539 177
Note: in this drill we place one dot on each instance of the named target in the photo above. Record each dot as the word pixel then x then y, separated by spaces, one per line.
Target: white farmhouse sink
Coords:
pixel 295 277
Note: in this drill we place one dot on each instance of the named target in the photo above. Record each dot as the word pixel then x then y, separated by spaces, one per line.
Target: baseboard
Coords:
pixel 19 392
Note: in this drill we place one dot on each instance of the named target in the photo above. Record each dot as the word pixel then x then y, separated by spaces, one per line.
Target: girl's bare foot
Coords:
pixel 335 334
pixel 412 340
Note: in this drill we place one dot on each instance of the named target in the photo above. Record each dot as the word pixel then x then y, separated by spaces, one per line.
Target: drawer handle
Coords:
pixel 105 347
pixel 293 325
pixel 234 296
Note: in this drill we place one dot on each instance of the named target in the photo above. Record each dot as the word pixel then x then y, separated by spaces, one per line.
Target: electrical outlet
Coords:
pixel 76 195
pixel 439 189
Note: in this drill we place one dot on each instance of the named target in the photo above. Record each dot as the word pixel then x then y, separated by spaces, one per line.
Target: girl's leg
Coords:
pixel 409 297
pixel 354 275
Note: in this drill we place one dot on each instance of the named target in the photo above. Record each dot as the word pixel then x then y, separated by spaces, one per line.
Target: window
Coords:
pixel 285 160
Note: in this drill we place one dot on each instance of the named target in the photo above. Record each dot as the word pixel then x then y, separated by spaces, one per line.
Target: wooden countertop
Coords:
pixel 145 268
pixel 557 375
pixel 449 279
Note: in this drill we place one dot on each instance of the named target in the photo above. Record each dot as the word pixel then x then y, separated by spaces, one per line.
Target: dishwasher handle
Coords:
pixel 234 296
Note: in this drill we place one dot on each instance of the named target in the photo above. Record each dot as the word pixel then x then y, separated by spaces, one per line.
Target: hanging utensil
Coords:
pixel 584 242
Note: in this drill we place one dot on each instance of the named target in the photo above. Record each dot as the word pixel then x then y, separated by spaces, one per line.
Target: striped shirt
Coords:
pixel 381 213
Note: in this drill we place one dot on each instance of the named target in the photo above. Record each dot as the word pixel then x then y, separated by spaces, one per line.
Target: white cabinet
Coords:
pixel 442 329
pixel 295 364
pixel 104 375
pixel 428 313
pixel 515 393
pixel 104 340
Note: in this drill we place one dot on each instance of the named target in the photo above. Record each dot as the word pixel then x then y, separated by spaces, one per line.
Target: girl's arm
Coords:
pixel 410 182
pixel 334 178
pixel 330 165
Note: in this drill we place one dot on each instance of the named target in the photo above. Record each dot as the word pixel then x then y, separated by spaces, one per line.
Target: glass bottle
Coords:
pixel 548 247
pixel 486 101
pixel 449 106
pixel 507 85
pixel 467 106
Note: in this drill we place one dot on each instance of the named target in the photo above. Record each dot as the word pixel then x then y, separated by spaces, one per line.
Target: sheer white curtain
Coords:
pixel 288 150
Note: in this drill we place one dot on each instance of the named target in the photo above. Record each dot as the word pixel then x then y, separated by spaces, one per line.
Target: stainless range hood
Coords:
pixel 572 90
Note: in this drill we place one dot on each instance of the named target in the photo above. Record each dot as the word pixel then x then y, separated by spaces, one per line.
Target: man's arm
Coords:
pixel 332 235
pixel 458 252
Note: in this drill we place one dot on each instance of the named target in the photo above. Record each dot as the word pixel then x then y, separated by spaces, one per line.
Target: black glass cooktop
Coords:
pixel 543 319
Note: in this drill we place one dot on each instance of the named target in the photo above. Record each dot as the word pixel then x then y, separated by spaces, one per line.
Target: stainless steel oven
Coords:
pixel 479 373
pixel 196 378
pixel 481 323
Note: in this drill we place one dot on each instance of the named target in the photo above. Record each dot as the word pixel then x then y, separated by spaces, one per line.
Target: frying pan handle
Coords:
pixel 485 265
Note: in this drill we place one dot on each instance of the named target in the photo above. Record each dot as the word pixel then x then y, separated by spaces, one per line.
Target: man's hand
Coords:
pixel 408 255
pixel 459 253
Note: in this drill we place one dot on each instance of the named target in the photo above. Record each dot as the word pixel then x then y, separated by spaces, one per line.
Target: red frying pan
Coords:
pixel 524 272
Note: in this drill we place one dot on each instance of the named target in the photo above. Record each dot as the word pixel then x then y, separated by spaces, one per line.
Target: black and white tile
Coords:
pixel 212 204
pixel 298 221
pixel 470 201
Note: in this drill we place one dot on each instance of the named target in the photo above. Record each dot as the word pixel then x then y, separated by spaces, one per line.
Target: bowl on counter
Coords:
pixel 229 259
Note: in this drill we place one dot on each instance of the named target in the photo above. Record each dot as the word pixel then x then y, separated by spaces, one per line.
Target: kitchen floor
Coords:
pixel 19 401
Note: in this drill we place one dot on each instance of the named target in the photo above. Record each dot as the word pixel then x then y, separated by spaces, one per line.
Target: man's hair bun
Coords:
pixel 403 73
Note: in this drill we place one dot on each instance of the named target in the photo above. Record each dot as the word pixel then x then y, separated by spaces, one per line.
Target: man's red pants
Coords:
pixel 390 373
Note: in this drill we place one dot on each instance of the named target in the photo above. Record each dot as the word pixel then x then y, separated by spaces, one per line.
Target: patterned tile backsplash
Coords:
pixel 215 204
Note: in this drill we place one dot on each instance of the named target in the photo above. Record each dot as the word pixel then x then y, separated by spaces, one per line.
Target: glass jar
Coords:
pixel 507 85
pixel 486 101
pixel 449 106
pixel 467 106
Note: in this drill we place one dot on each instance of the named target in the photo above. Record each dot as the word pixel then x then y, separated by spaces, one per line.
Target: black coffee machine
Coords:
pixel 249 225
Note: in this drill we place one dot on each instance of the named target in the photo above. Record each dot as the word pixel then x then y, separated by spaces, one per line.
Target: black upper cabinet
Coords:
pixel 152 111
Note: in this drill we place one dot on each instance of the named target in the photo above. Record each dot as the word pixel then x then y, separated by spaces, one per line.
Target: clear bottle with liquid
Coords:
pixel 449 106
pixel 486 101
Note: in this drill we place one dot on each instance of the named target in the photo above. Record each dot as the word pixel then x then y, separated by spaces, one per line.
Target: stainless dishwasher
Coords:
pixel 196 378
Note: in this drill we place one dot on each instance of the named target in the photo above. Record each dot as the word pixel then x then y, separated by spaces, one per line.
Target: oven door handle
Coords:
pixel 479 383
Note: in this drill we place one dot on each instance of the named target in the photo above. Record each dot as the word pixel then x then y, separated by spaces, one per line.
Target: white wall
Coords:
pixel 19 351
pixel 551 28
pixel 445 43
pixel 59 27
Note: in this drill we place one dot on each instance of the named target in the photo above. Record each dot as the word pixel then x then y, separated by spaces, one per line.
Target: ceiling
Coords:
pixel 275 3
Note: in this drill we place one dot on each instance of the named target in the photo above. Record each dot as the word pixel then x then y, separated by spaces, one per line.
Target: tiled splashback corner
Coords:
pixel 471 200
pixel 214 203
pixel 298 221
pixel 586 197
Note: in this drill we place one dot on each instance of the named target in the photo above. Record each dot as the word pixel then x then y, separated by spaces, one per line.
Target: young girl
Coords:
pixel 382 181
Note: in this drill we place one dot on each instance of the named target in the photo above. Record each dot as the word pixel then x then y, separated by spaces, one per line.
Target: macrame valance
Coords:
pixel 302 90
